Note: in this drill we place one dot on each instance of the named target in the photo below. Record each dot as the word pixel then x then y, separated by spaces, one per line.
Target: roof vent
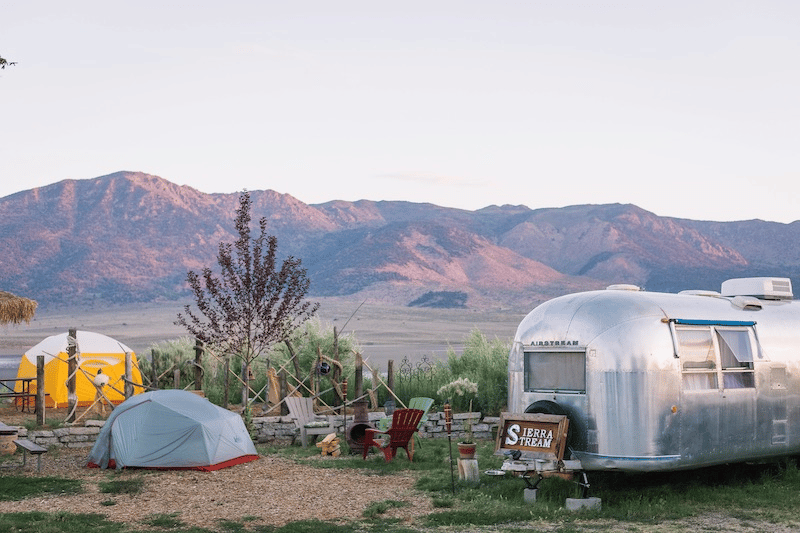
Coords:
pixel 623 287
pixel 764 288
pixel 693 292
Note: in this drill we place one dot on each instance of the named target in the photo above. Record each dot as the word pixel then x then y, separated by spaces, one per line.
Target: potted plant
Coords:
pixel 466 447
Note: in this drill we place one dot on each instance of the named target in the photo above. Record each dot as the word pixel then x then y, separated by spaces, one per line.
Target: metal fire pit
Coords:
pixel 358 428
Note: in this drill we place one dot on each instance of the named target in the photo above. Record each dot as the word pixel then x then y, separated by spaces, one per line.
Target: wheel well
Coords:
pixel 546 407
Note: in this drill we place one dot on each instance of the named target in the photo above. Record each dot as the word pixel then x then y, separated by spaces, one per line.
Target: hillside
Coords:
pixel 131 236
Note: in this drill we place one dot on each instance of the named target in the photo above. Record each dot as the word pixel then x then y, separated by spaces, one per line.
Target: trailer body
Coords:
pixel 656 381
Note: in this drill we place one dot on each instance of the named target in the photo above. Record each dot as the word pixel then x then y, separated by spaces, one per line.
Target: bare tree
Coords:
pixel 252 304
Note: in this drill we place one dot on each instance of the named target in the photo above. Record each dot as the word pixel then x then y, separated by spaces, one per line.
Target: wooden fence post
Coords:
pixel 246 386
pixel 390 377
pixel 337 369
pixel 225 398
pixel 359 376
pixel 282 380
pixel 39 390
pixel 128 375
pixel 72 368
pixel 198 361
pixel 153 371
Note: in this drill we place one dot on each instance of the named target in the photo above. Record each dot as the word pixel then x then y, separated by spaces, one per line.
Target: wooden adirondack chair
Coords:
pixel 414 403
pixel 405 423
pixel 421 403
pixel 306 421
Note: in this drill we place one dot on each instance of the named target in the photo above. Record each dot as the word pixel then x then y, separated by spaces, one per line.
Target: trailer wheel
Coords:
pixel 546 407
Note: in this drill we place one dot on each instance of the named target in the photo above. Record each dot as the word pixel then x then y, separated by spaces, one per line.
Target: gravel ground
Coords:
pixel 275 491
pixel 270 490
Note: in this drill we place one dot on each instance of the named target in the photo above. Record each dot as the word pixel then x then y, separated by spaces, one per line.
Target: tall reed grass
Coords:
pixel 483 361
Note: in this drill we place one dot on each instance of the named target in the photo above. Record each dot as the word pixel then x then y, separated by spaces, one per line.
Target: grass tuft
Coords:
pixel 21 487
pixel 378 508
pixel 122 486
pixel 164 521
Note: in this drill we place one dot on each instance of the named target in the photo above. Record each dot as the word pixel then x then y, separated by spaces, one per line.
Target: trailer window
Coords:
pixel 555 371
pixel 698 358
pixel 736 356
pixel 712 353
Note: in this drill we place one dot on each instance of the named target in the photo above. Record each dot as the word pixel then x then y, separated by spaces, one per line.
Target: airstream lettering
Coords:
pixel 655 381
pixel 554 343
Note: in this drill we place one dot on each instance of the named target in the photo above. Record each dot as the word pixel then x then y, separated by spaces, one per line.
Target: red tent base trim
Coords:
pixel 207 468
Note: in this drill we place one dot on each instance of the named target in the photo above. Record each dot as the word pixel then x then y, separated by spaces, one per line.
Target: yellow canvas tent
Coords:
pixel 94 352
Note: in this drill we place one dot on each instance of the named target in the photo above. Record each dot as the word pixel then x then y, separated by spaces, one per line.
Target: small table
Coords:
pixel 24 399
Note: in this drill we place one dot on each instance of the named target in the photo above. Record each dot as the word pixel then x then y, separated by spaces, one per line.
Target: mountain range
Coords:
pixel 131 236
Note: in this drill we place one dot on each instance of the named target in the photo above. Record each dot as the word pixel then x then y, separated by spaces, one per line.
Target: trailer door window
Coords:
pixel 555 371
pixel 736 356
pixel 710 353
pixel 698 358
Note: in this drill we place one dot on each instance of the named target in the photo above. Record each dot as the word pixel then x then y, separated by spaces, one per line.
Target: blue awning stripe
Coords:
pixel 695 322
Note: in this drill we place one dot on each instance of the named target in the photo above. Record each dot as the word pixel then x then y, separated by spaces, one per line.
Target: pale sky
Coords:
pixel 685 108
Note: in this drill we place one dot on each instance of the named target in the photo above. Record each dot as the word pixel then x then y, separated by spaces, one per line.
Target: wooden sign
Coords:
pixel 536 436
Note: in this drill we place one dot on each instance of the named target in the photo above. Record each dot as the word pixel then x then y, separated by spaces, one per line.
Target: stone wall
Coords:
pixel 272 429
pixel 69 437
pixel 280 429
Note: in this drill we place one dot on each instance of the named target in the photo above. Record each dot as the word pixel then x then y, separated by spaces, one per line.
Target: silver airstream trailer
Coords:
pixel 654 381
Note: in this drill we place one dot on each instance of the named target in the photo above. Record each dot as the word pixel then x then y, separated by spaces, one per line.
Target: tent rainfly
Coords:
pixel 172 429
pixel 95 352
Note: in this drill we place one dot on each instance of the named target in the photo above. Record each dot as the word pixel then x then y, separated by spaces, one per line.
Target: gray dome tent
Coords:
pixel 172 429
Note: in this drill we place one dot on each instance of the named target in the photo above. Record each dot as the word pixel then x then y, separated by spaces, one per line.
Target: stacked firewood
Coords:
pixel 330 445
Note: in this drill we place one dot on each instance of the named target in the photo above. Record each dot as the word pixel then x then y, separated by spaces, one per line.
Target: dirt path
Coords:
pixel 270 490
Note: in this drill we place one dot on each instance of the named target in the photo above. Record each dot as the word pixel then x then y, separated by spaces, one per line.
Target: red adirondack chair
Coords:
pixel 404 425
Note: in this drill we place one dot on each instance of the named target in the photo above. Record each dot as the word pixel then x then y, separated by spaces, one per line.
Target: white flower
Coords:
pixel 459 387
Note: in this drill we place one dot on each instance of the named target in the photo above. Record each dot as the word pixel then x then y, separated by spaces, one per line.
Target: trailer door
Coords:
pixel 738 408
pixel 718 412
pixel 700 395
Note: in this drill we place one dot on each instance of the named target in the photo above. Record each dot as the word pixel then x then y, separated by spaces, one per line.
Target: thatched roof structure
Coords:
pixel 14 309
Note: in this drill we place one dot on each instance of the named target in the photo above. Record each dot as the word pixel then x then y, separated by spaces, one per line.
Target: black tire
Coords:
pixel 546 407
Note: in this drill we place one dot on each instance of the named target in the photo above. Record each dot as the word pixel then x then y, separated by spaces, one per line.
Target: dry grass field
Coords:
pixel 382 331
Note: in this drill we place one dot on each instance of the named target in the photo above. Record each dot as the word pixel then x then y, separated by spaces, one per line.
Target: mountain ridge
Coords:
pixel 133 236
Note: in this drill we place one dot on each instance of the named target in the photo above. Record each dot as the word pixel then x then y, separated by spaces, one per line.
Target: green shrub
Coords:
pixel 307 342
pixel 482 361
pixel 485 363
pixel 167 356
pixel 421 380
